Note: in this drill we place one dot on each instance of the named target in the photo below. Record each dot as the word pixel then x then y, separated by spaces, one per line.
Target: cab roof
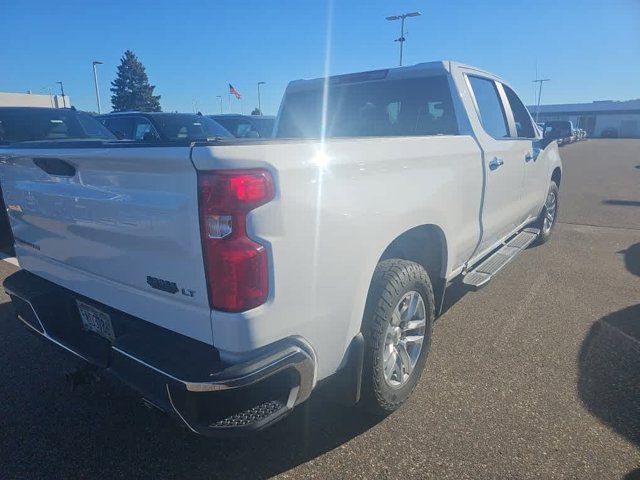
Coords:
pixel 418 70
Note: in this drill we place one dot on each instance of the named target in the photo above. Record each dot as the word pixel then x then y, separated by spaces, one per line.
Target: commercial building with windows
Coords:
pixel 31 100
pixel 599 119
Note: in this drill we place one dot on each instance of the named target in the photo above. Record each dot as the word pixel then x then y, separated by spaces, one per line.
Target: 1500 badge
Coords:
pixel 169 287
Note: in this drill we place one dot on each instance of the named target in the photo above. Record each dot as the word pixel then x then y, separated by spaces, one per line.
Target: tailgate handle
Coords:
pixel 55 166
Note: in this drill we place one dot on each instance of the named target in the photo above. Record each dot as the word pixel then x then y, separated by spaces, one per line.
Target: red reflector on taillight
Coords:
pixel 229 191
pixel 236 266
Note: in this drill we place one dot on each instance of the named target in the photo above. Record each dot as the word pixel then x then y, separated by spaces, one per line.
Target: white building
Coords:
pixel 613 118
pixel 31 100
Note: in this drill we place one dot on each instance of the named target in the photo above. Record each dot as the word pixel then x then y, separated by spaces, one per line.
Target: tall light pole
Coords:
pixel 95 82
pixel 540 81
pixel 259 106
pixel 64 102
pixel 220 98
pixel 402 32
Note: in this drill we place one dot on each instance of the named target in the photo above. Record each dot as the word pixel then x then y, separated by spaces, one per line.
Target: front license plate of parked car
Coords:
pixel 94 320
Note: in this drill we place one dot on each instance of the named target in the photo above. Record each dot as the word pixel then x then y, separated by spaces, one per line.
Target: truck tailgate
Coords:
pixel 116 224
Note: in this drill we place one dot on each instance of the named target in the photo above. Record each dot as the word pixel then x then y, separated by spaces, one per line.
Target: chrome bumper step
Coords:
pixel 483 273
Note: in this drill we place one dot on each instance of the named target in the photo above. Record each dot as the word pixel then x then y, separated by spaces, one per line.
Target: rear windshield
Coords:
pixel 186 127
pixel 26 124
pixel 403 107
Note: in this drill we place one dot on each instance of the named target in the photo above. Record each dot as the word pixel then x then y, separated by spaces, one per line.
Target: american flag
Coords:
pixel 234 92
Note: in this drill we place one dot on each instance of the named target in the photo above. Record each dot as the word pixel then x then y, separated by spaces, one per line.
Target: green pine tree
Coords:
pixel 131 89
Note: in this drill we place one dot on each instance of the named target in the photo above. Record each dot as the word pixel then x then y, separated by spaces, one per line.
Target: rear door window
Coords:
pixel 524 124
pixel 490 107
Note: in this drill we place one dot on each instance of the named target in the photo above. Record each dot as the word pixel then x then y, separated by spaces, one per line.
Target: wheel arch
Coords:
pixel 556 176
pixel 425 245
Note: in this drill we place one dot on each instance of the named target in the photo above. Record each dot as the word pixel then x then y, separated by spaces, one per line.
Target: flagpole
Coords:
pixel 229 98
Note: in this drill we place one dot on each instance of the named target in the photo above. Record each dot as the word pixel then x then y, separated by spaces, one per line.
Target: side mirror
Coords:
pixel 119 135
pixel 148 137
pixel 252 134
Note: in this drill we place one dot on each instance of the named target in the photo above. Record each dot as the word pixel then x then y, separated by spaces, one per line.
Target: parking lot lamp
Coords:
pixel 402 32
pixel 95 82
pixel 540 81
pixel 259 107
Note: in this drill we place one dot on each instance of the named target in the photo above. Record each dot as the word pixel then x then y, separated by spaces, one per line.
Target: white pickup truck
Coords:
pixel 227 279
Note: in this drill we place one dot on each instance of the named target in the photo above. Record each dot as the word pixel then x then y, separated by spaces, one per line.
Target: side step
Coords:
pixel 483 273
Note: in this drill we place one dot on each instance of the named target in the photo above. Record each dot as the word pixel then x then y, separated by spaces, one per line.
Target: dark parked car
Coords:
pixel 561 130
pixel 28 124
pixel 162 127
pixel 247 126
pixel 25 124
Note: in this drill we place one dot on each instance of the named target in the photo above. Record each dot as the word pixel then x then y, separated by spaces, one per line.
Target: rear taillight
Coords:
pixel 236 266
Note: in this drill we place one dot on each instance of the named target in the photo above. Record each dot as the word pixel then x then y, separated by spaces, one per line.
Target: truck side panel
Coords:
pixel 338 206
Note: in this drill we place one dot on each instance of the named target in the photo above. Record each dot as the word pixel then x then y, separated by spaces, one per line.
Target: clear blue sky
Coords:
pixel 192 50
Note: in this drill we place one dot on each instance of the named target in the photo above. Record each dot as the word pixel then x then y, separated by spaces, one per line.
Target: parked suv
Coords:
pixel 560 130
pixel 21 124
pixel 162 127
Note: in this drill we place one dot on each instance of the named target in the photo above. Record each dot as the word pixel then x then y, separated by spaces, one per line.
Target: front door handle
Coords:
pixel 496 163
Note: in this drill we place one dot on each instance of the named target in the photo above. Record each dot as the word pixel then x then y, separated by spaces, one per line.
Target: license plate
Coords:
pixel 97 321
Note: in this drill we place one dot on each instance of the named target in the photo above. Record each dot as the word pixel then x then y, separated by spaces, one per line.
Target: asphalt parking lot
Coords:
pixel 535 376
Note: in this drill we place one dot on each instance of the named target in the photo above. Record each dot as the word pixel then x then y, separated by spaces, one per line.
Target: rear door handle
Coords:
pixel 528 157
pixel 495 163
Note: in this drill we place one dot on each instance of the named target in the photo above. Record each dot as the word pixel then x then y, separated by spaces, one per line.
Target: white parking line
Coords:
pixel 11 260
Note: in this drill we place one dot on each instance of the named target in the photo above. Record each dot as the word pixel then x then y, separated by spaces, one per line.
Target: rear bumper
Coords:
pixel 177 374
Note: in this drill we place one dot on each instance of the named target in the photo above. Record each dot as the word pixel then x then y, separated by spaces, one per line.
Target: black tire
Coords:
pixel 392 280
pixel 544 233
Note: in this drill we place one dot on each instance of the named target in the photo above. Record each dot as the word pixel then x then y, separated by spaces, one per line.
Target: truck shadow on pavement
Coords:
pixel 609 366
pixel 104 431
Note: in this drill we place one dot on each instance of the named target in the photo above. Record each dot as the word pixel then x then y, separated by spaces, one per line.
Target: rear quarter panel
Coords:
pixel 338 206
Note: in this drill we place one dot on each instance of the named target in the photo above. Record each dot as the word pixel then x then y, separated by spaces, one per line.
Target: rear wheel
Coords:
pixel 397 329
pixel 549 214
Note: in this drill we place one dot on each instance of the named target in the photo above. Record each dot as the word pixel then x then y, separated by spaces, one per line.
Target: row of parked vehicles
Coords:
pixel 227 279
pixel 170 127
pixel 563 131
pixel 19 124
pixel 33 124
